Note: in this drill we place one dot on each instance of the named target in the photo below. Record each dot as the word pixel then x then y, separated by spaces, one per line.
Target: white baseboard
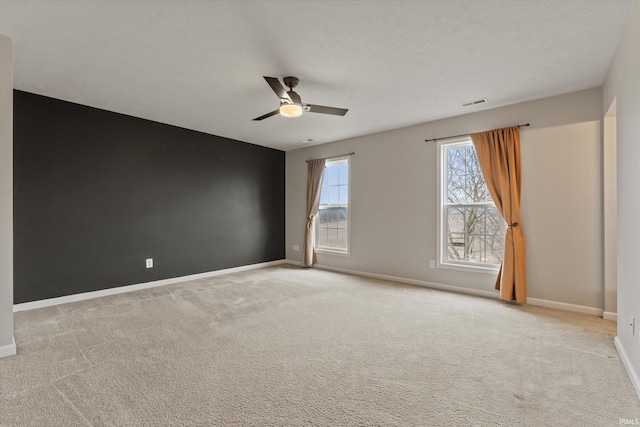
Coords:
pixel 130 288
pixel 8 350
pixel 478 292
pixel 440 286
pixel 565 306
pixel 608 315
pixel 633 375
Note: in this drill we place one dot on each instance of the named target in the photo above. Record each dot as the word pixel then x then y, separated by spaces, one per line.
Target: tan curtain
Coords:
pixel 315 171
pixel 499 157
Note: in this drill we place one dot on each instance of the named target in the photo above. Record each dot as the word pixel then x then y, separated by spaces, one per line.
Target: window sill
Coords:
pixel 469 268
pixel 330 252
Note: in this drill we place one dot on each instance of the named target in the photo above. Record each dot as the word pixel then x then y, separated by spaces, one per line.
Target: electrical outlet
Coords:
pixel 149 262
pixel 432 264
pixel 296 248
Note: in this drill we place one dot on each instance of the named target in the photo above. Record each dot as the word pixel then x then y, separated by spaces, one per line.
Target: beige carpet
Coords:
pixel 284 346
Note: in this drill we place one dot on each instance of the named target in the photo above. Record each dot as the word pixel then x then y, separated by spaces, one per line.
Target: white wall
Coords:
pixel 623 85
pixel 7 345
pixel 562 213
pixel 393 198
pixel 610 211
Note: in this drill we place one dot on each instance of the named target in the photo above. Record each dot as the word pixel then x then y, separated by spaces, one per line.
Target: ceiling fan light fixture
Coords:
pixel 291 110
pixel 290 103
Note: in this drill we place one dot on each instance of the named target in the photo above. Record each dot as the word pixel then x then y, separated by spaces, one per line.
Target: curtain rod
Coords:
pixel 339 155
pixel 466 134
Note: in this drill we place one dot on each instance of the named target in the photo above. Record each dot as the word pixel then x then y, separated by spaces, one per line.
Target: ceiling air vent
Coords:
pixel 477 102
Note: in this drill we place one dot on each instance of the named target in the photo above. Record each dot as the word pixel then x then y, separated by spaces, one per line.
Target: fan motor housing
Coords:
pixel 291 82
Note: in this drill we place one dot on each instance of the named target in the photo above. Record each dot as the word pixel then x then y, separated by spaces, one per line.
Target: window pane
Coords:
pixel 455 161
pixel 321 229
pixel 325 177
pixel 333 176
pixel 332 217
pixel 455 245
pixel 324 196
pixel 476 248
pixel 496 229
pixel 344 195
pixel 321 219
pixel 456 189
pixel 495 222
pixel 475 220
pixel 495 249
pixel 333 222
pixel 341 242
pixel 465 183
pixel 480 247
pixel 456 220
pixel 476 189
pixel 332 238
pixel 334 196
pixel 475 232
pixel 344 174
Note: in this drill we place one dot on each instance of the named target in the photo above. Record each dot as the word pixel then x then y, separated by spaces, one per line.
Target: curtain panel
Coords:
pixel 315 172
pixel 499 157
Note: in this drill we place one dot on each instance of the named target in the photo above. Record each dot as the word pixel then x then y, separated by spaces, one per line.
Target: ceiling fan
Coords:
pixel 290 103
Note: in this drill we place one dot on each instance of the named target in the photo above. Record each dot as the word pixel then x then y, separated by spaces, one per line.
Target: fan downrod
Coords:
pixel 291 82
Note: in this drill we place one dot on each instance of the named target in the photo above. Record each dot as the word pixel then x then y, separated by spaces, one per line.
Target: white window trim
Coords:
pixel 329 251
pixel 442 226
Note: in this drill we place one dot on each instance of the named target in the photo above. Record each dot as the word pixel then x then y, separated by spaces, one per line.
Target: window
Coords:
pixel 472 229
pixel 332 222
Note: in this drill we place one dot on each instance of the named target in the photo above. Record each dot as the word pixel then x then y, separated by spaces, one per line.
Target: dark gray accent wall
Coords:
pixel 96 193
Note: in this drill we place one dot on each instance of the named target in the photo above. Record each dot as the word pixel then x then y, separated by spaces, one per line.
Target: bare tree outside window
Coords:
pixel 475 229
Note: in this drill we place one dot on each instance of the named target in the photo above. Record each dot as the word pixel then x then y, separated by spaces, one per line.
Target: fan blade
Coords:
pixel 326 110
pixel 277 87
pixel 294 97
pixel 266 116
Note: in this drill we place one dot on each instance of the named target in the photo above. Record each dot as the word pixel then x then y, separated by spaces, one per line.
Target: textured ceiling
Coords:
pixel 199 64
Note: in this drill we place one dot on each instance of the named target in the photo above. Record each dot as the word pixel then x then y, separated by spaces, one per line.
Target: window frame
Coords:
pixel 442 223
pixel 333 251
